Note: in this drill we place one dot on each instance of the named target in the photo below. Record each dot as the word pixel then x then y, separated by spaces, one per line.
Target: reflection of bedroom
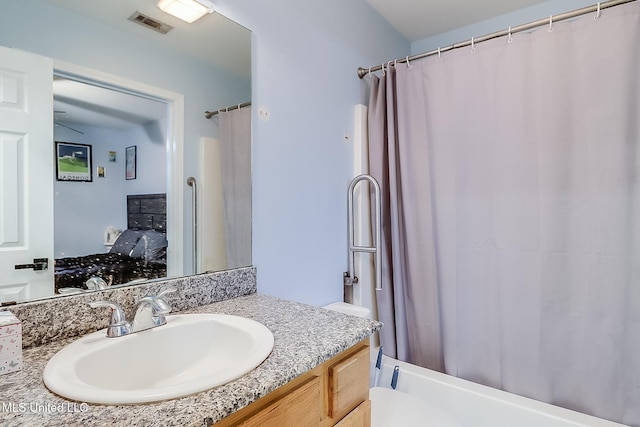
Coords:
pixel 84 211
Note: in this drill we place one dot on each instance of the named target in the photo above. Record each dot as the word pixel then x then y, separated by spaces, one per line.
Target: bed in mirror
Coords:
pixel 136 253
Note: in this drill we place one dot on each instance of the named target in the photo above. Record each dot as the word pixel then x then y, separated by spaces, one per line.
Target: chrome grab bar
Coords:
pixel 350 277
pixel 191 182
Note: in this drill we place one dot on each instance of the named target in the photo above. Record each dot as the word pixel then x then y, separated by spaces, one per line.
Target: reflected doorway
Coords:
pixel 116 224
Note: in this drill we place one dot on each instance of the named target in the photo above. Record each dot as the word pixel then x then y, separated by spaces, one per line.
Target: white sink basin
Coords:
pixel 190 354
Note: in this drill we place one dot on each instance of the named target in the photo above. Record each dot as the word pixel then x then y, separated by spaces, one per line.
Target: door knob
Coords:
pixel 39 264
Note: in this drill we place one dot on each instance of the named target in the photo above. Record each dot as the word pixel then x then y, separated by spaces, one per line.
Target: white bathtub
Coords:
pixel 428 398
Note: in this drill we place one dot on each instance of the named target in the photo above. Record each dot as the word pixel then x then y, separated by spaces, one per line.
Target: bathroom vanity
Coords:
pixel 335 393
pixel 317 373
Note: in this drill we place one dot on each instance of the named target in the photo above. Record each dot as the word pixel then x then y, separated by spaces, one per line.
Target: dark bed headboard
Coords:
pixel 147 212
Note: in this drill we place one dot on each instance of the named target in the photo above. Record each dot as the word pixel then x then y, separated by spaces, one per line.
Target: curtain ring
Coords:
pixel 383 73
pixel 473 44
pixel 510 39
pixel 369 70
pixel 597 12
pixel 408 63
pixel 439 53
pixel 550 23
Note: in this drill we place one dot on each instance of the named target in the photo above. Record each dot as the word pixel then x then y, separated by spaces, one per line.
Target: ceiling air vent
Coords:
pixel 149 22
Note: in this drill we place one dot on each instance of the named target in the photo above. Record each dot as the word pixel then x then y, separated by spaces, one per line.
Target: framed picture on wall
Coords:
pixel 130 162
pixel 73 162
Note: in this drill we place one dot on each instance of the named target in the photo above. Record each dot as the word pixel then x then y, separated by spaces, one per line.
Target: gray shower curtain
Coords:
pixel 511 215
pixel 235 155
pixel 409 293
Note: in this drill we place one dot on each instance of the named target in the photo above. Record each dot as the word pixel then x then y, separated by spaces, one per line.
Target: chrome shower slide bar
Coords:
pixel 350 277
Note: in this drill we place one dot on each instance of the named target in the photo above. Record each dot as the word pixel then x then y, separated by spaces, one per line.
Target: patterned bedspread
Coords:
pixel 113 268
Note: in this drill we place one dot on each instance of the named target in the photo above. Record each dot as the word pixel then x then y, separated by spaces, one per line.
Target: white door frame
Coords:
pixel 174 145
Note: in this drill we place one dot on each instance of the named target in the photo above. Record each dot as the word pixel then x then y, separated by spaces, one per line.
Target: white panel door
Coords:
pixel 26 174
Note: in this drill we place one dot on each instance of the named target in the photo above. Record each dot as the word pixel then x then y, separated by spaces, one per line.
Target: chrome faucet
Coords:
pixel 150 313
pixel 118 325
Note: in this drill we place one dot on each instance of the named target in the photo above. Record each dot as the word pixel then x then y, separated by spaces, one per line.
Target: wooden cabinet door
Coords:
pixel 348 384
pixel 299 408
pixel 359 417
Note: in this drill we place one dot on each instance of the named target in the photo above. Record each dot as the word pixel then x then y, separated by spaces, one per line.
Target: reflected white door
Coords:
pixel 26 174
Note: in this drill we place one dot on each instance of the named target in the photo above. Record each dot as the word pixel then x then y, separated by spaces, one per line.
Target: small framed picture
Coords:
pixel 112 156
pixel 73 162
pixel 101 172
pixel 130 162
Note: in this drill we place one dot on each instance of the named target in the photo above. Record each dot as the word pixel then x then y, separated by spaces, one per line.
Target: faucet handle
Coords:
pixel 96 283
pixel 118 324
pixel 162 306
pixel 117 313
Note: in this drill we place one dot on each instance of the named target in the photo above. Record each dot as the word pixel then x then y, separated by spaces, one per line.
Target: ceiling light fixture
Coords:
pixel 187 10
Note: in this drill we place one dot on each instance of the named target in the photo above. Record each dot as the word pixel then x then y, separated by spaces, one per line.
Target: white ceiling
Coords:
pixel 78 104
pixel 419 19
pixel 213 39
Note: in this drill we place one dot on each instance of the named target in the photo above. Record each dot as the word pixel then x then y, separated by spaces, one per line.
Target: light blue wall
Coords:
pixel 151 177
pixel 84 209
pixel 304 71
pixel 498 23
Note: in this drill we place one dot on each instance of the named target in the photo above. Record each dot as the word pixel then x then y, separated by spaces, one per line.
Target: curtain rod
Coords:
pixel 524 27
pixel 209 114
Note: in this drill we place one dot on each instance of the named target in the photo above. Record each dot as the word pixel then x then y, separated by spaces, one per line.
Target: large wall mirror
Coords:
pixel 114 117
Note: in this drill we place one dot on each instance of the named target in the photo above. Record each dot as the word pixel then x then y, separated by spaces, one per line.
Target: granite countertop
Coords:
pixel 305 336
